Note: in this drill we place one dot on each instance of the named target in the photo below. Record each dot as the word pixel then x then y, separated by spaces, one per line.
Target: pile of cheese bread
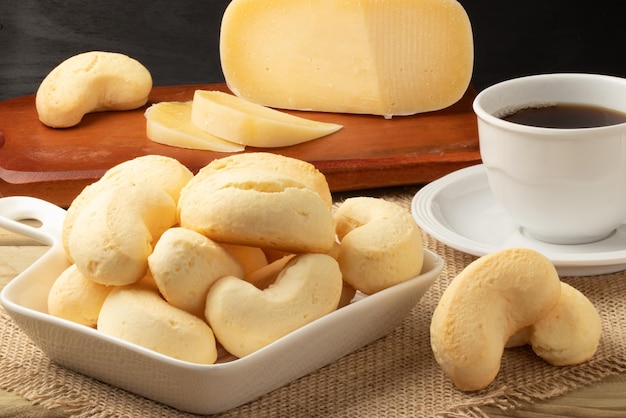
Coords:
pixel 242 253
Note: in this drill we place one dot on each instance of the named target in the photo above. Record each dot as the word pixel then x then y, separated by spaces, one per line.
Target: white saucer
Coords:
pixel 460 211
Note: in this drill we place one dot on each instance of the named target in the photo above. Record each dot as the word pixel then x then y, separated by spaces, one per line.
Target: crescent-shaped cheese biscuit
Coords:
pixel 380 244
pixel 139 315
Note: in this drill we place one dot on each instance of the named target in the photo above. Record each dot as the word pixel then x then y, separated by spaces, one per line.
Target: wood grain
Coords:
pixel 368 152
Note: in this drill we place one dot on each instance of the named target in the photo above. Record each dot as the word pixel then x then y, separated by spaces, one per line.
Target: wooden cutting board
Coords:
pixel 368 152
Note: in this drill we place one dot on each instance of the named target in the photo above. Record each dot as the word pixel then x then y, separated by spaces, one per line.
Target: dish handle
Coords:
pixel 14 209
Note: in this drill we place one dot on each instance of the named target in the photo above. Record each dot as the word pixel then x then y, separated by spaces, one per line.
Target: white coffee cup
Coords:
pixel 562 186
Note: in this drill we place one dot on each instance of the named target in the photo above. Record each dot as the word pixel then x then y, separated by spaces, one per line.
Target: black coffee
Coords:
pixel 566 116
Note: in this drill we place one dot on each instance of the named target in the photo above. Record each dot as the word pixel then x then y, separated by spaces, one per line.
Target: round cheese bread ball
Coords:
pixel 380 244
pixel 258 208
pixel 184 265
pixel 76 298
pixel 139 315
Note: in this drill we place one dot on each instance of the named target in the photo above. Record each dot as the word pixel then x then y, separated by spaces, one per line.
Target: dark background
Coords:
pixel 178 40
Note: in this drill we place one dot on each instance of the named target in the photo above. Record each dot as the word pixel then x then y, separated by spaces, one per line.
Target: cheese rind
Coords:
pixel 169 123
pixel 238 120
pixel 393 57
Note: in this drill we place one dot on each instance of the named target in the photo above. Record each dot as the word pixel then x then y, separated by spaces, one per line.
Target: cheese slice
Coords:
pixel 170 123
pixel 238 120
pixel 381 57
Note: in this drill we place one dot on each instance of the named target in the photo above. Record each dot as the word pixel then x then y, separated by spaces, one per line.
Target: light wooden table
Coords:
pixel 604 399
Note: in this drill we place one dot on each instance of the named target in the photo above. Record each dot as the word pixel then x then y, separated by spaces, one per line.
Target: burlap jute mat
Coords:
pixel 392 377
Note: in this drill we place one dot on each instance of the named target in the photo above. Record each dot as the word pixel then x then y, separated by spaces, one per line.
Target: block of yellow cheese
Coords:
pixel 381 57
pixel 169 123
pixel 238 120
